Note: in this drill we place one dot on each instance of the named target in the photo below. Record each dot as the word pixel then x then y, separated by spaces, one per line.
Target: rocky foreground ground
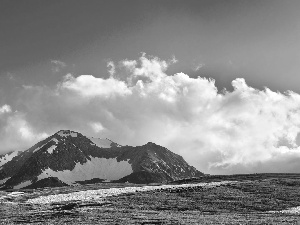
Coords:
pixel 263 200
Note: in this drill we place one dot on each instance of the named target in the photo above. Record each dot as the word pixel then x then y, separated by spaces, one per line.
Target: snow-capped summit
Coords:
pixel 70 158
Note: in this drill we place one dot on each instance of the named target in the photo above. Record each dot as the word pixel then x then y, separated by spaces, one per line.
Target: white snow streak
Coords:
pixel 294 210
pixel 96 195
pixel 35 150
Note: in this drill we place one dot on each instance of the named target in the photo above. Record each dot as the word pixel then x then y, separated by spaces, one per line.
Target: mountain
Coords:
pixel 70 158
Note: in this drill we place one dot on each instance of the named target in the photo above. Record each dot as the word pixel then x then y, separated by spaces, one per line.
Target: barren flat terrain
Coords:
pixel 238 199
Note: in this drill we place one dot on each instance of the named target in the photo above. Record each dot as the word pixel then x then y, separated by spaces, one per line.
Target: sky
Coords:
pixel 212 80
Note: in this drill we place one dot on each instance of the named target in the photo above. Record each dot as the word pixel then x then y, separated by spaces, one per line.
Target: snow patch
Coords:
pixel 16 193
pixel 23 184
pixel 7 157
pixel 107 169
pixel 67 133
pixel 55 140
pixel 101 142
pixel 51 149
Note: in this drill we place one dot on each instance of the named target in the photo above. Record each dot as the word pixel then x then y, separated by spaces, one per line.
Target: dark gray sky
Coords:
pixel 41 41
pixel 257 40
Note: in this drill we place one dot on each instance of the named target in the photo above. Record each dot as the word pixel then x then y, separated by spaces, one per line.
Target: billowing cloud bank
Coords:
pixel 246 130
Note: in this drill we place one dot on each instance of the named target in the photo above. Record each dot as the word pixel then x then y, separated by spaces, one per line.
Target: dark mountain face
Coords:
pixel 69 158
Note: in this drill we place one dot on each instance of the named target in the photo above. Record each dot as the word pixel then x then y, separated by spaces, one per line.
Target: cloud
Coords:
pixel 57 65
pixel 245 130
pixel 173 60
pixel 97 126
pixel 16 133
pixel 5 109
pixel 198 66
pixel 90 86
pixel 111 68
pixel 10 76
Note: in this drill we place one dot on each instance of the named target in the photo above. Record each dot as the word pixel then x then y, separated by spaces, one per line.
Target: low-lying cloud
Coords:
pixel 246 130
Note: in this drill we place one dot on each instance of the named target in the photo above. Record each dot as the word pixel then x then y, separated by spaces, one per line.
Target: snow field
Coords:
pixel 97 195
pixel 107 169
pixel 100 142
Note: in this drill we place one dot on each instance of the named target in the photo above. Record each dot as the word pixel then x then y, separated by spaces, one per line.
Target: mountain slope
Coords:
pixel 72 158
pixel 8 157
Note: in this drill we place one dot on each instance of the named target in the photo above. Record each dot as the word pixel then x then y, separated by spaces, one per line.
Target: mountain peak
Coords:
pixel 151 143
pixel 64 133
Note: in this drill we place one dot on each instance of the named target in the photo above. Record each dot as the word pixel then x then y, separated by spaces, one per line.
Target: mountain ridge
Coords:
pixel 70 158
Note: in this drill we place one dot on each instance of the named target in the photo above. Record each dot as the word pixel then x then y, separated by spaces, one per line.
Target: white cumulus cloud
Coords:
pixel 90 86
pixel 245 130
